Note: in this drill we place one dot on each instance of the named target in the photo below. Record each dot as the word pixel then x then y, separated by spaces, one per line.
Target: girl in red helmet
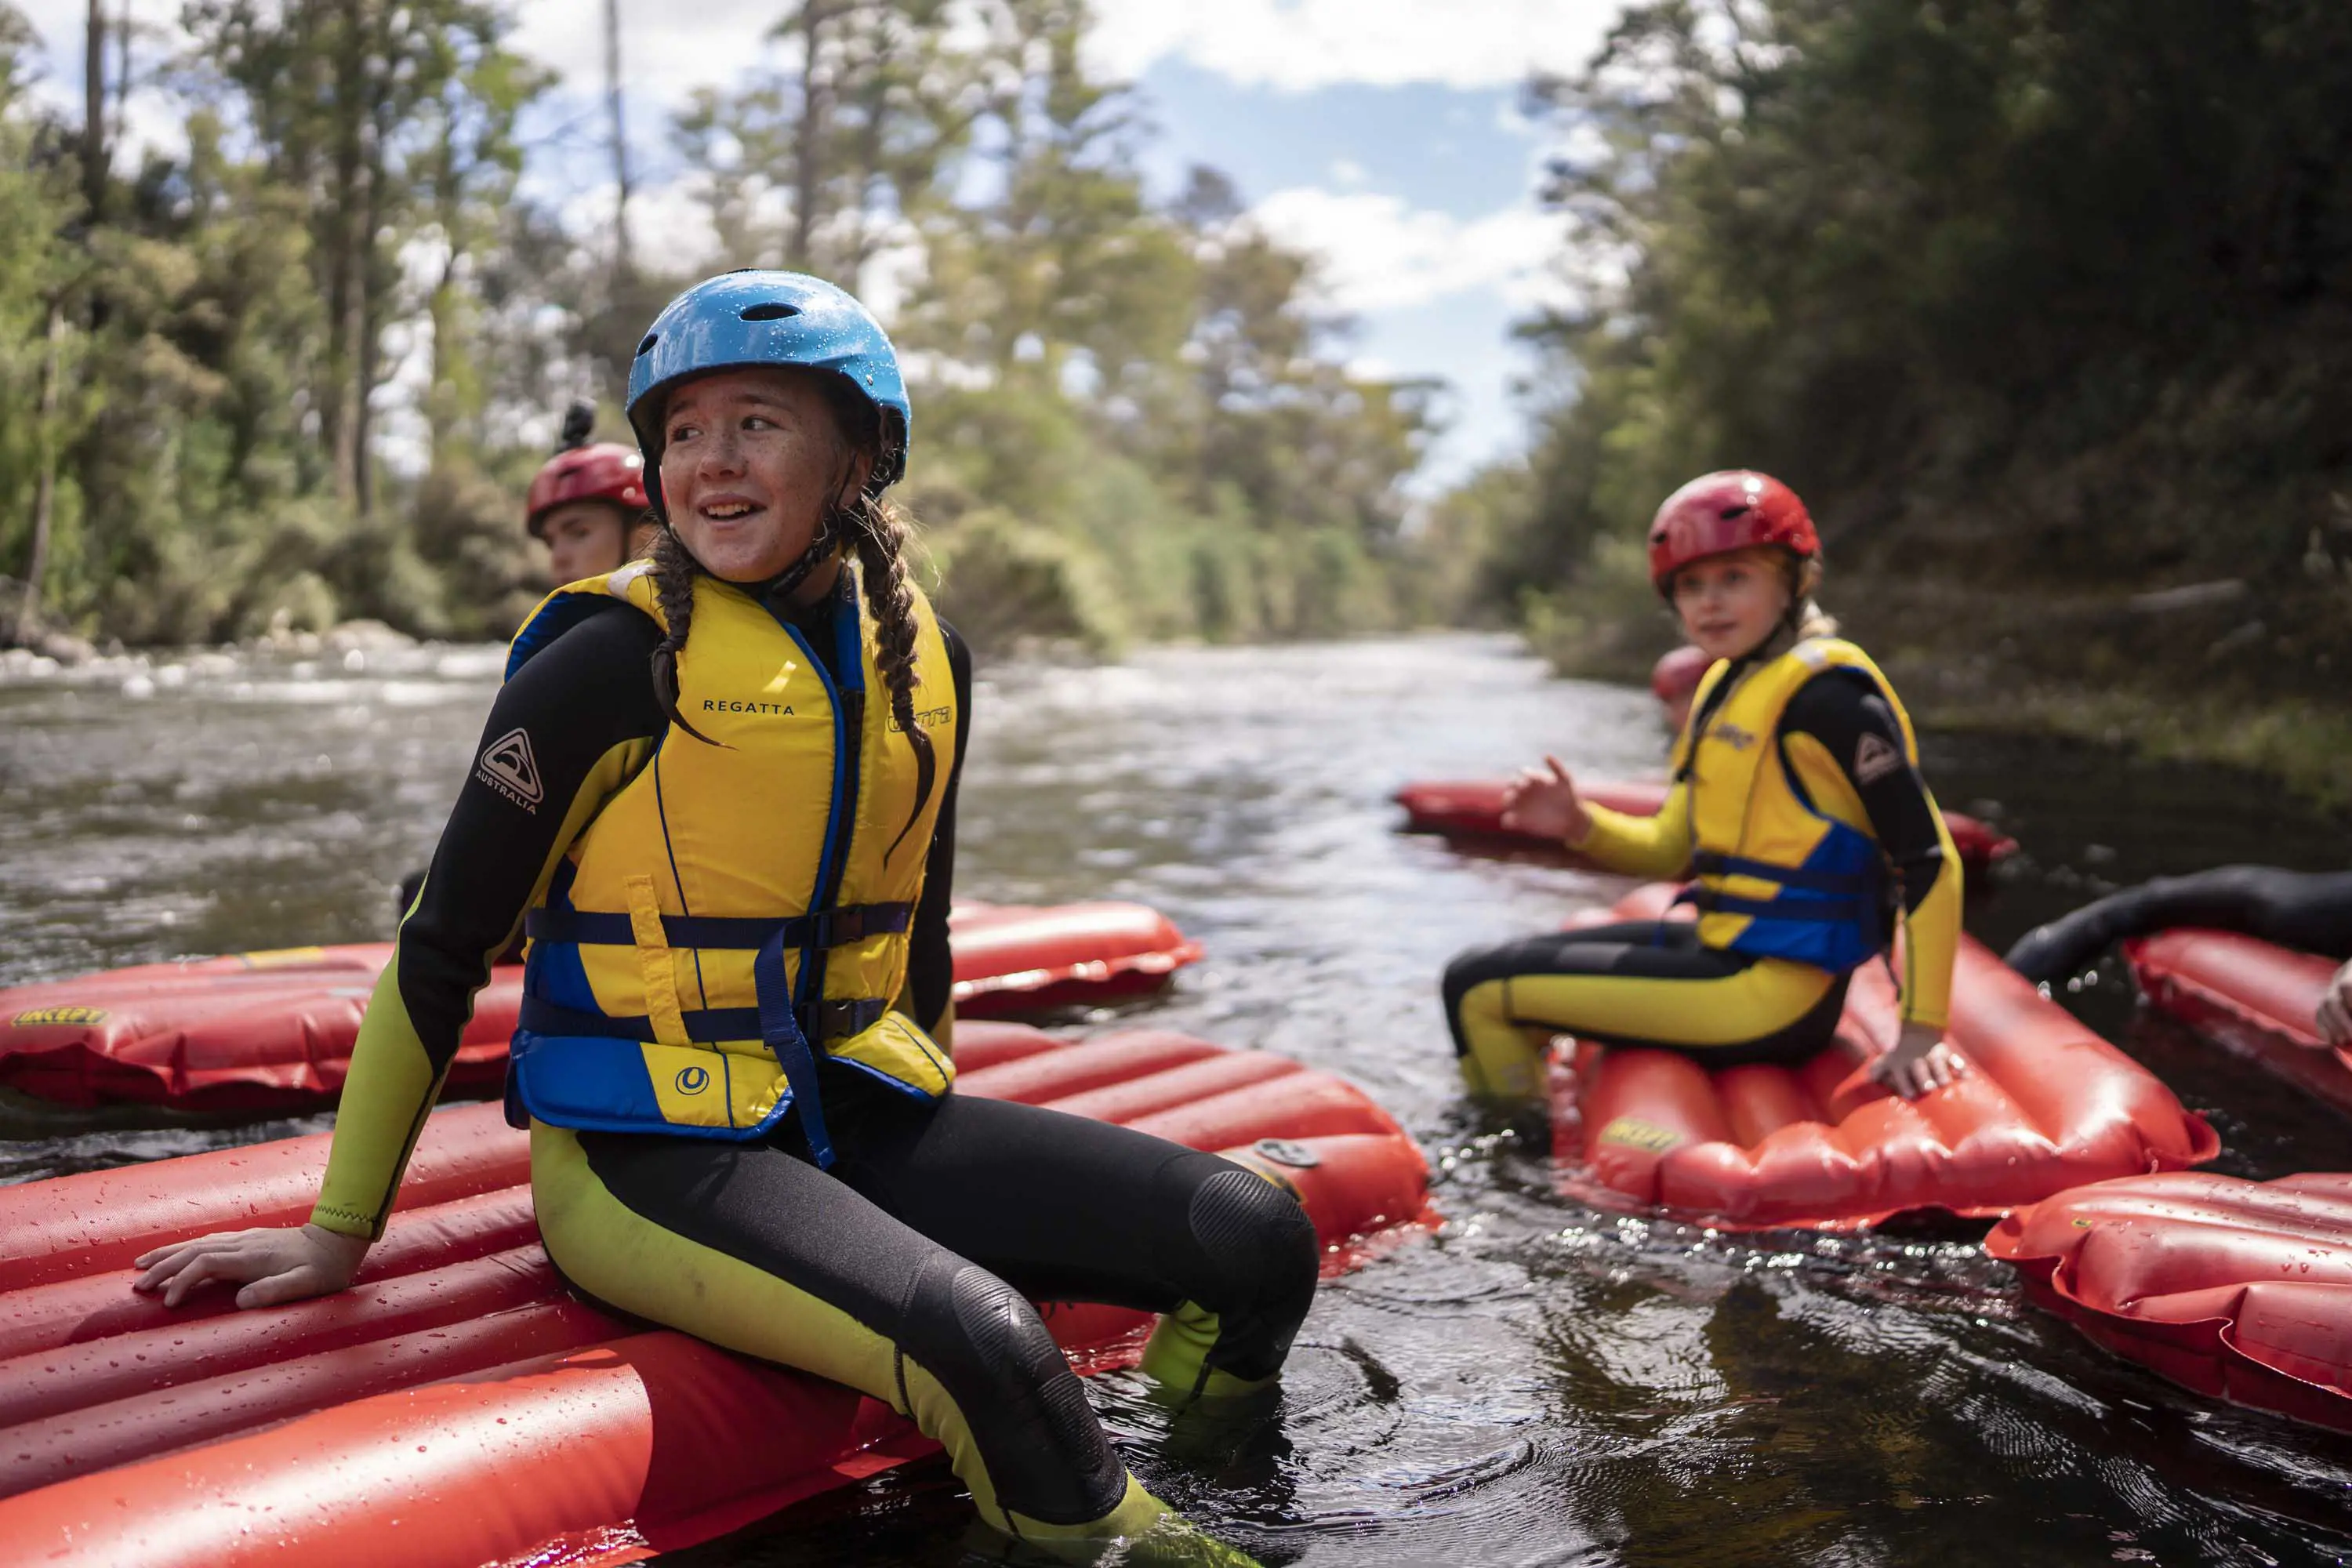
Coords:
pixel 587 504
pixel 1797 806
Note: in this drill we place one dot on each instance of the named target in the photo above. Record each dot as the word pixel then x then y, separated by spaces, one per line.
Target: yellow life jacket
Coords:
pixel 741 899
pixel 1777 876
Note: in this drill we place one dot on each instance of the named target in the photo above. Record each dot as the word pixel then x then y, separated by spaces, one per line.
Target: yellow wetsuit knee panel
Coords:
pixel 1501 1057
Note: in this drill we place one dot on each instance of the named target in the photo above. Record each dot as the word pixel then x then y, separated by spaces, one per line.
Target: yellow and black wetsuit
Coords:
pixel 1797 802
pixel 887 1242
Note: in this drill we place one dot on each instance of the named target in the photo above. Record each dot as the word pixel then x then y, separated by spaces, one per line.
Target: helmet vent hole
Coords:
pixel 774 311
pixel 645 345
pixel 1731 511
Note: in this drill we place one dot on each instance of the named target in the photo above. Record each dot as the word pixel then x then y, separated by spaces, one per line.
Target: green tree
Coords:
pixel 2037 301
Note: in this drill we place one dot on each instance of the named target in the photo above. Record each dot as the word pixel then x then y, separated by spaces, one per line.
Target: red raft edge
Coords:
pixel 599 1446
pixel 2046 1105
pixel 2237 1291
pixel 2251 997
pixel 1014 959
pixel 1472 810
pixel 270 1033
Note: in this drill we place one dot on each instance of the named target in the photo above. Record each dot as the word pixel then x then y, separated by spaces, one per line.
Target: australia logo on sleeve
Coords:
pixel 509 767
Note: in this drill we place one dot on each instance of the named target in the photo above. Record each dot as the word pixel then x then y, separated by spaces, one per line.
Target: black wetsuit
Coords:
pixel 2307 910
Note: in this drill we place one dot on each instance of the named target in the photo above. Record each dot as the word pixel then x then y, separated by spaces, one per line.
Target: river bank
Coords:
pixel 2184 675
pixel 2204 673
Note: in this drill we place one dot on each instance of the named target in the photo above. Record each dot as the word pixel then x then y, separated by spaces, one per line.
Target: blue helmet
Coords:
pixel 750 318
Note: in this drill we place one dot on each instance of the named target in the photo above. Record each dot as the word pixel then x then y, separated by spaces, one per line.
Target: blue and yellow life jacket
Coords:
pixel 1777 876
pixel 739 899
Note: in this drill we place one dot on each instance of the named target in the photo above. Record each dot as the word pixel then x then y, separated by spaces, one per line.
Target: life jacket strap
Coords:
pixel 836 927
pixel 780 1031
pixel 835 1020
pixel 1712 863
pixel 1828 912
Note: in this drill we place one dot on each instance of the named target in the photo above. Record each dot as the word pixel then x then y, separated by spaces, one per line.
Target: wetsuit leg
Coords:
pixel 1647 983
pixel 2311 910
pixel 751 1247
pixel 1067 1208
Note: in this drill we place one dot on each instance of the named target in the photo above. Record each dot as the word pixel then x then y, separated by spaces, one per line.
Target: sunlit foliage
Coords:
pixel 297 374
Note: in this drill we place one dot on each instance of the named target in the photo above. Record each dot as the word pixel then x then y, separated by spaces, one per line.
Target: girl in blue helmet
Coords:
pixel 718 791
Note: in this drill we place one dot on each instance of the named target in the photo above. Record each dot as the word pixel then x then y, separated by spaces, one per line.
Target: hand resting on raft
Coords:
pixel 1543 802
pixel 2334 1015
pixel 273 1265
pixel 1921 1061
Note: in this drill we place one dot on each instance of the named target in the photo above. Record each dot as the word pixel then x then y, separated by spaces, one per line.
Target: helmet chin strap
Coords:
pixel 1778 641
pixel 821 547
pixel 1786 628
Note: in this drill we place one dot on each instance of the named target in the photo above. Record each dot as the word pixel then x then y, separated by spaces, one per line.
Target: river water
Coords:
pixel 1538 1382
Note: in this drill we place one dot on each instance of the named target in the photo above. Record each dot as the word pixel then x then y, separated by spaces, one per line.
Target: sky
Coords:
pixel 1383 136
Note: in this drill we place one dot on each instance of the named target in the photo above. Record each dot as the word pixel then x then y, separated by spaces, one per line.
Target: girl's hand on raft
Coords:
pixel 273 1265
pixel 1921 1061
pixel 1545 803
pixel 2334 1016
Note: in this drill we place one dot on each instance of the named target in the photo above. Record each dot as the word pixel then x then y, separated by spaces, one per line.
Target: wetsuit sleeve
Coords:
pixel 1657 846
pixel 2309 910
pixel 1846 747
pixel 931 962
pixel 564 736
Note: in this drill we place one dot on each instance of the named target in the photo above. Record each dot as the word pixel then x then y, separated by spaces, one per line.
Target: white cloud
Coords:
pixel 666 51
pixel 1300 45
pixel 1379 254
pixel 151 122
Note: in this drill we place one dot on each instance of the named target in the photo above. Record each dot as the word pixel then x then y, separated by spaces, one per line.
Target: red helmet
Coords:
pixel 606 471
pixel 1676 675
pixel 1715 515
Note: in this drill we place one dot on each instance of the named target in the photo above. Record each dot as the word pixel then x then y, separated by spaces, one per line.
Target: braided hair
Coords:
pixel 674 570
pixel 872 528
pixel 880 533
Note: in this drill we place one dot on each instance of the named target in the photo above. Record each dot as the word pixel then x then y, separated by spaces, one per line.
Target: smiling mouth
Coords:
pixel 728 510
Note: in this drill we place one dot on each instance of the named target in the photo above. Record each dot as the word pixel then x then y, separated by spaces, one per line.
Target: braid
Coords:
pixel 879 534
pixel 675 568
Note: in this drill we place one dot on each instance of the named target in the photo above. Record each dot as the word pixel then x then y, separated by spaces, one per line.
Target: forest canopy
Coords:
pixel 2044 306
pixel 291 374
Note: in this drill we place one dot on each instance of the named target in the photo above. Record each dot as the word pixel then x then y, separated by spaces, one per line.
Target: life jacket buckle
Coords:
pixel 839 1018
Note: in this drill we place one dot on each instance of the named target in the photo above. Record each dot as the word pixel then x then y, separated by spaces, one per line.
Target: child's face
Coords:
pixel 1728 603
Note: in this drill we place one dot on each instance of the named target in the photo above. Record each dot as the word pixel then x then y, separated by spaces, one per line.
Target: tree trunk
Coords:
pixel 623 266
pixel 346 253
pixel 815 126
pixel 44 494
pixel 121 72
pixel 875 94
pixel 93 113
pixel 368 351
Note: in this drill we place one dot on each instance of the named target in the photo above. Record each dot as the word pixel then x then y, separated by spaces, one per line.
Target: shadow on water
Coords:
pixel 1538 1382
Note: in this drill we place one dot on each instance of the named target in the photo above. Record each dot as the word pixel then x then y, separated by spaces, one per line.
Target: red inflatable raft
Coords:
pixel 1012 959
pixel 455 1407
pixel 2046 1105
pixel 2241 1290
pixel 258 1033
pixel 1472 810
pixel 2259 1000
